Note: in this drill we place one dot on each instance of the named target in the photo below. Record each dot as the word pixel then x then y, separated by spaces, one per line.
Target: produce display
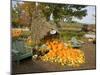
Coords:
pixel 63 53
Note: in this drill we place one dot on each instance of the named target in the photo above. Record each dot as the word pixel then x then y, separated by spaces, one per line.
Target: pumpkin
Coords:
pixel 63 55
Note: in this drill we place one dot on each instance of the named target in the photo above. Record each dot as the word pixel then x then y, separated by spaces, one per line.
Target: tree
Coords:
pixel 15 16
pixel 36 21
pixel 19 16
pixel 59 11
pixel 27 10
pixel 63 11
pixel 36 15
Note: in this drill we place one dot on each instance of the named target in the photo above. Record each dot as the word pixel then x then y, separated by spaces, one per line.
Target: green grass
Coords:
pixel 71 25
pixel 67 35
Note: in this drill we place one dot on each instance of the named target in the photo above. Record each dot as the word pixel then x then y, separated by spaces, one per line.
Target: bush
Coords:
pixel 26 34
pixel 80 34
pixel 67 35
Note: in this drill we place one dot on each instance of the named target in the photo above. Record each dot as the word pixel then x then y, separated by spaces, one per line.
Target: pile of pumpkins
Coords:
pixel 63 53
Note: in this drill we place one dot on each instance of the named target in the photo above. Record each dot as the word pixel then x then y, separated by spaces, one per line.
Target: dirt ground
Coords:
pixel 38 66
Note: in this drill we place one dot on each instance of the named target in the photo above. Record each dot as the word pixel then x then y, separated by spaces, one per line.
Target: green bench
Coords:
pixel 20 51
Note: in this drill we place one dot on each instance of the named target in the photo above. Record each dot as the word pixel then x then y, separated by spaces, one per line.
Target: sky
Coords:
pixel 88 19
